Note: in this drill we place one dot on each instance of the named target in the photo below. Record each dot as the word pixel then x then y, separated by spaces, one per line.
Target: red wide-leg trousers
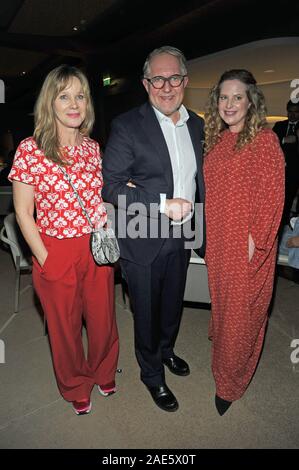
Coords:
pixel 71 287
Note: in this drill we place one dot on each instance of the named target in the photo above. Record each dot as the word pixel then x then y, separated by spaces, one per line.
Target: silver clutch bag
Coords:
pixel 104 246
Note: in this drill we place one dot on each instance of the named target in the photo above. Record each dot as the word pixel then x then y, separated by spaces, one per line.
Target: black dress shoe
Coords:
pixel 176 365
pixel 222 405
pixel 163 397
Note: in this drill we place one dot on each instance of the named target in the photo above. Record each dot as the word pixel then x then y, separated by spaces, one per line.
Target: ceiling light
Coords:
pixel 269 71
pixel 75 28
pixel 274 119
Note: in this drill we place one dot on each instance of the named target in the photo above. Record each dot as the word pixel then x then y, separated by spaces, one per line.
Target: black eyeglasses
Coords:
pixel 159 82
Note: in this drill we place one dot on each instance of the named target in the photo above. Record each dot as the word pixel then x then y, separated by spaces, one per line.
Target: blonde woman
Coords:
pixel 244 175
pixel 68 282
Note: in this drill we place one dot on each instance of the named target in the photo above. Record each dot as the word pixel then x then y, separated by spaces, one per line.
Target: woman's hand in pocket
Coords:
pixel 42 259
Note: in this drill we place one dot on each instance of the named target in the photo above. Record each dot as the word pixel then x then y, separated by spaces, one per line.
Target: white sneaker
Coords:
pixel 81 407
pixel 107 392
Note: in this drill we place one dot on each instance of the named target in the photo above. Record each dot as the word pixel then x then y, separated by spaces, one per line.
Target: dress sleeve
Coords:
pixel 267 192
pixel 21 167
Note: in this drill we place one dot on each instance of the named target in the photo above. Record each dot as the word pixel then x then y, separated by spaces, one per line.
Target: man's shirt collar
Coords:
pixel 184 115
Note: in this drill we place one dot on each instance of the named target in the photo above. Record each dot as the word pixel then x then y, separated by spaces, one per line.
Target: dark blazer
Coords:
pixel 137 151
pixel 280 129
pixel 290 150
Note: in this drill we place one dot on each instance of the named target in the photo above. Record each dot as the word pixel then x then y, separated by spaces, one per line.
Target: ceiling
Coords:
pixel 56 17
pixel 34 32
pixel 272 60
pixel 116 35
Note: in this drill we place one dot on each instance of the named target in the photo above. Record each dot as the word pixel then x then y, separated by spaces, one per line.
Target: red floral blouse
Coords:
pixel 58 212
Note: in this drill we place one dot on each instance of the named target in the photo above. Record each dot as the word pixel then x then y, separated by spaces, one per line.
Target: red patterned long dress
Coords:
pixel 244 194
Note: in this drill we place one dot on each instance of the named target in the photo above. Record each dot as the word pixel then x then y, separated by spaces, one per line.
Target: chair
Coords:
pixel 282 260
pixel 6 201
pixel 197 286
pixel 11 234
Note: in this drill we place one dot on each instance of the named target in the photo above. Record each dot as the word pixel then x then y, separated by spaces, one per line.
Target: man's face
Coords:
pixel 167 99
pixel 293 113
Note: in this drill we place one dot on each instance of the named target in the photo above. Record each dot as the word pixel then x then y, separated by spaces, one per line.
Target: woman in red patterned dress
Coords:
pixel 244 174
pixel 68 282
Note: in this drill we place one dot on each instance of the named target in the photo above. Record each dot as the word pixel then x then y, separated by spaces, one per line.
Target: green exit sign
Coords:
pixel 107 81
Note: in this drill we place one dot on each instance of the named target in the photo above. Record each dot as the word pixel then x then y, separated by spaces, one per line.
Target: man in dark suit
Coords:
pixel 287 132
pixel 152 167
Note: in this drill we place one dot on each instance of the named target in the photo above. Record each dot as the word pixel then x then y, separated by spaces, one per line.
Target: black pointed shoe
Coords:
pixel 176 365
pixel 222 405
pixel 163 397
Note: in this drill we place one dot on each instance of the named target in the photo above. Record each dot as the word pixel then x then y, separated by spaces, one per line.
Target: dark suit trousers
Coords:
pixel 156 293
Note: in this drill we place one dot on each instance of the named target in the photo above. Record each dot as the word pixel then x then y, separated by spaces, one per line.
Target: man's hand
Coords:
pixel 130 184
pixel 177 209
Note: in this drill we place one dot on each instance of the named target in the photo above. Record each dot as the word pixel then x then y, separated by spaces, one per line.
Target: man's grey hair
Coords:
pixel 165 50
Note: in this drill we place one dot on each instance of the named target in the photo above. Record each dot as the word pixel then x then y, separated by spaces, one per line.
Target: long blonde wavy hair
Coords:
pixel 45 128
pixel 255 118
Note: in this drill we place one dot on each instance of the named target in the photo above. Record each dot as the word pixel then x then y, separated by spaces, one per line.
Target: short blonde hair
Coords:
pixel 45 129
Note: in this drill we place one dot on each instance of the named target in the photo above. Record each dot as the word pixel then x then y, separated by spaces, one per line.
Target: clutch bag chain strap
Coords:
pixel 78 197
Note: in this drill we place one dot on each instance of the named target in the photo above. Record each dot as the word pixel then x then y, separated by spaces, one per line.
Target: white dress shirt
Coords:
pixel 182 158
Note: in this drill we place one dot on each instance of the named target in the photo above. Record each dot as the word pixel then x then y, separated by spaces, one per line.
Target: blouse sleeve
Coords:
pixel 21 167
pixel 267 192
